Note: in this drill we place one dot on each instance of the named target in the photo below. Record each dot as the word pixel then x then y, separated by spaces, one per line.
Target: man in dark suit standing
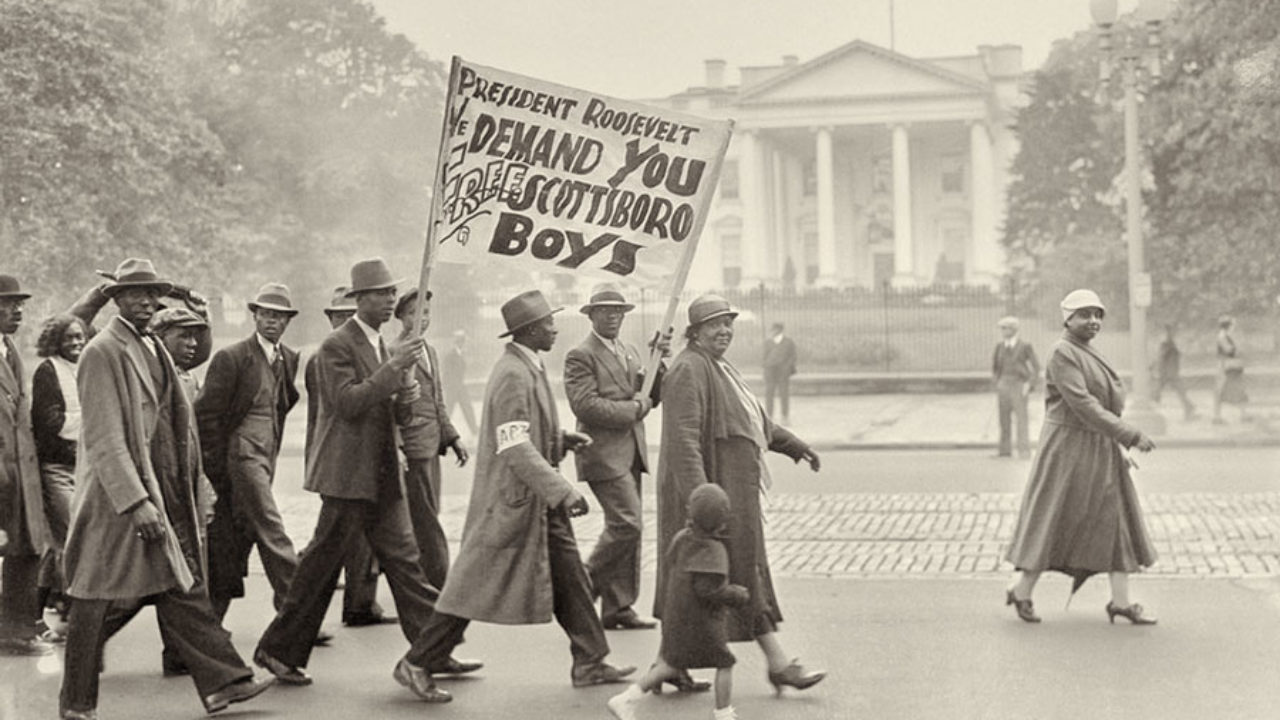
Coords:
pixel 354 467
pixel 25 530
pixel 248 391
pixel 1017 372
pixel 602 379
pixel 779 366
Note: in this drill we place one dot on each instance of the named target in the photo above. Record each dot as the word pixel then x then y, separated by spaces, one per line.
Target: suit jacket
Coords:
pixel 1019 364
pixel 21 502
pixel 601 390
pixel 353 447
pixel 48 414
pixel 425 428
pixel 503 570
pixel 104 557
pixel 233 380
pixel 780 357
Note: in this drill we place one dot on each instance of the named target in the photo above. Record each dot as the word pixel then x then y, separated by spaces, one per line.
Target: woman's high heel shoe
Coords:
pixel 1133 614
pixel 1026 611
pixel 794 675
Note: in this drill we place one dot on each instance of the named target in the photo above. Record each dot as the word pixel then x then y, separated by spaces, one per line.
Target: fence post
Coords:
pixel 885 306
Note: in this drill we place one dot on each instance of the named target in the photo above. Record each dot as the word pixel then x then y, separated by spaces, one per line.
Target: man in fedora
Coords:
pixel 135 531
pixel 519 561
pixel 426 434
pixel 22 517
pixel 248 390
pixel 352 463
pixel 602 379
pixel 360 570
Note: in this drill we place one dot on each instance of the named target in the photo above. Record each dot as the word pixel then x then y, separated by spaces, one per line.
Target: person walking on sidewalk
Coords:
pixel 1016 371
pixel 135 525
pixel 779 366
pixel 1168 367
pixel 698 591
pixel 519 561
pixel 248 391
pixel 602 377
pixel 714 430
pixel 1230 385
pixel 1080 513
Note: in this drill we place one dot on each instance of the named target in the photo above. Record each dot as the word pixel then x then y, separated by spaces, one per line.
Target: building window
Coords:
pixel 729 180
pixel 731 259
pixel 810 178
pixel 953 168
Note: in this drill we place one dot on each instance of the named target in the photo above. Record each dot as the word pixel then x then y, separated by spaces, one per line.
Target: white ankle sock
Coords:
pixel 725 713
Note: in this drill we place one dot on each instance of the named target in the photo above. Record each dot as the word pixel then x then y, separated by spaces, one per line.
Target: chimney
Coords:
pixel 790 61
pixel 715 73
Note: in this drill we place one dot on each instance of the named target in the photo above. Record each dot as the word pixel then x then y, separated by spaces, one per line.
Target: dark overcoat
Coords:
pixel 503 570
pixel 706 437
pixel 21 502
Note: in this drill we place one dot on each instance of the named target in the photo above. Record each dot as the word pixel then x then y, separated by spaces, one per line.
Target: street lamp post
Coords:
pixel 1135 57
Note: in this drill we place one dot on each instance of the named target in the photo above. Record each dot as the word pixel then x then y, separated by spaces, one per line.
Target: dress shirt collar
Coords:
pixel 148 341
pixel 613 344
pixel 4 346
pixel 271 350
pixel 370 333
pixel 529 353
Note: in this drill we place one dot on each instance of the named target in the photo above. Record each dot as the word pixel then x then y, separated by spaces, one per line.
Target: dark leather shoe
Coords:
pixel 419 682
pixel 454 666
pixel 284 672
pixel 1133 614
pixel 238 691
pixel 366 620
pixel 1026 611
pixel 794 675
pixel 599 673
pixel 628 620
pixel 27 646
pixel 685 683
pixel 322 639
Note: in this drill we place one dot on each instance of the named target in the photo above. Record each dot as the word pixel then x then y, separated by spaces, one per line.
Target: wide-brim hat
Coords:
pixel 273 296
pixel 606 296
pixel 136 272
pixel 176 317
pixel 526 308
pixel 407 298
pixel 371 274
pixel 340 302
pixel 9 288
pixel 709 307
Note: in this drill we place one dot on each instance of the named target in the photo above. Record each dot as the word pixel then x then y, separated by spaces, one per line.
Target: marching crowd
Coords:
pixel 126 482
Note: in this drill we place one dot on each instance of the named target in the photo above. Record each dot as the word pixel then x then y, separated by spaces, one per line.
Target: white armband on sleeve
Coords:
pixel 512 433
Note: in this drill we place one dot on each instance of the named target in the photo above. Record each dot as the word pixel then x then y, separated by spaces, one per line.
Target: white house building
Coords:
pixel 858 167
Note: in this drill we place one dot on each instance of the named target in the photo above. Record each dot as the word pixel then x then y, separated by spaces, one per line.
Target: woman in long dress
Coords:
pixel 1230 386
pixel 1080 514
pixel 715 430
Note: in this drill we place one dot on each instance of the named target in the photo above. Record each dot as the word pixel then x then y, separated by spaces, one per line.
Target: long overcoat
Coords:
pixel 706 437
pixel 21 502
pixel 503 570
pixel 105 559
pixel 1080 513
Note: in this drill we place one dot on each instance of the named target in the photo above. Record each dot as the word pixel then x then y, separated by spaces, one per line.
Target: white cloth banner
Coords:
pixel 564 180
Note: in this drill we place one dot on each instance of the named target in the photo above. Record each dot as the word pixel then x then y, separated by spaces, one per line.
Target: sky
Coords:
pixel 653 48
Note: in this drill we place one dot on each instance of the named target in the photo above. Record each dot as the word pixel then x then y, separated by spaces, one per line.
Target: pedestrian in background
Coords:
pixel 22 515
pixel 1080 513
pixel 55 423
pixel 1016 371
pixel 1168 367
pixel 715 430
pixel 698 592
pixel 779 366
pixel 1230 386
pixel 455 380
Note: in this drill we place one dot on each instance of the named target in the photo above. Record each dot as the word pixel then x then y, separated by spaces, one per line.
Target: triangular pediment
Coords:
pixel 860 69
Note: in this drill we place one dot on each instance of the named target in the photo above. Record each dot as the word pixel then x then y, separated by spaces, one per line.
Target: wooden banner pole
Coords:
pixel 437 199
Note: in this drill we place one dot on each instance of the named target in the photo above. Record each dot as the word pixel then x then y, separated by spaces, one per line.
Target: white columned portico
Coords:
pixel 986 250
pixel 778 200
pixel 826 208
pixel 903 248
pixel 751 187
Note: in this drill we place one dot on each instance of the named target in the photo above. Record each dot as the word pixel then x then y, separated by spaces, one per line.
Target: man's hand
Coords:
pixel 460 452
pixel 575 440
pixel 411 392
pixel 575 505
pixel 405 354
pixel 811 457
pixel 646 404
pixel 147 522
pixel 662 341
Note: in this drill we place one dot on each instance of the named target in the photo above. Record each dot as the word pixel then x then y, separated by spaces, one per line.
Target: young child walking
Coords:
pixel 698 590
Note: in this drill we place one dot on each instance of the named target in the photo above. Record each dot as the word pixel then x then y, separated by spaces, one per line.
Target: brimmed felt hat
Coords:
pixel 709 307
pixel 371 274
pixel 273 296
pixel 9 288
pixel 1007 321
pixel 527 307
pixel 1079 299
pixel 406 299
pixel 176 317
pixel 136 272
pixel 606 295
pixel 340 302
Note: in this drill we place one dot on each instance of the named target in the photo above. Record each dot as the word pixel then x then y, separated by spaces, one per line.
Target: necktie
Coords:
pixel 382 351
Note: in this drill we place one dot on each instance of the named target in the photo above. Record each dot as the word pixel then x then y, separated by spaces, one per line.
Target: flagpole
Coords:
pixel 437 200
pixel 682 272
